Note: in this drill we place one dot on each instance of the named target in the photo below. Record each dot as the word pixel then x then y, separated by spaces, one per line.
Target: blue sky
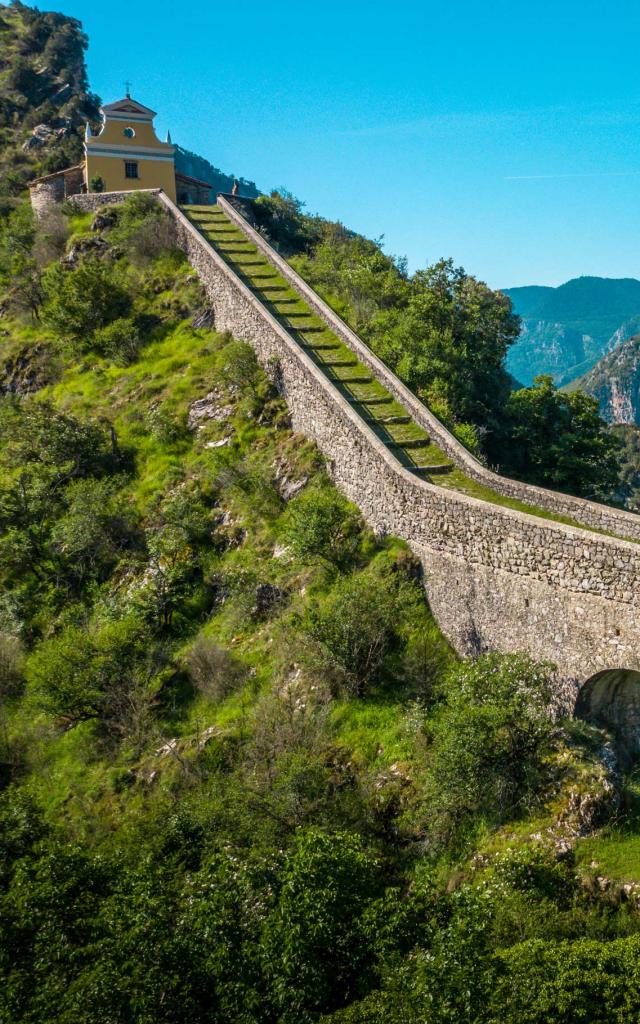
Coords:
pixel 504 135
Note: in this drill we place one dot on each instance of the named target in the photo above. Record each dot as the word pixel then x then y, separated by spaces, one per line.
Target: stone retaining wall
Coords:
pixel 588 512
pixel 495 578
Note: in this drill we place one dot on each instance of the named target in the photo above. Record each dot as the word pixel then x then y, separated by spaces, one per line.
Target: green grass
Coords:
pixel 616 854
pixel 328 351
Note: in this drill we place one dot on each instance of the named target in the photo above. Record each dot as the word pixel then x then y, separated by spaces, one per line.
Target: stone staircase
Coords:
pixel 405 439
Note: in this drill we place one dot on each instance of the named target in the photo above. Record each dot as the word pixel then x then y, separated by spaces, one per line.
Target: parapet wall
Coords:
pixel 495 578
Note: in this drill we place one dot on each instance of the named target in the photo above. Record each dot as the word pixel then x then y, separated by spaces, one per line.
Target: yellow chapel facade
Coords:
pixel 124 155
pixel 127 153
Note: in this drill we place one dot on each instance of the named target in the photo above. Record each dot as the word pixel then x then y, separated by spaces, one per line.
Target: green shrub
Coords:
pixel 119 341
pixel 213 670
pixel 350 633
pixel 488 744
pixel 81 301
pixel 320 524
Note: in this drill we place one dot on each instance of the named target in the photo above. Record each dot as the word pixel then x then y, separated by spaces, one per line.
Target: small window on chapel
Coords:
pixel 130 169
pixel 129 132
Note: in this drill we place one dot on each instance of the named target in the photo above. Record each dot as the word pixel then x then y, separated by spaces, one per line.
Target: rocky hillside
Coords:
pixel 566 330
pixel 615 382
pixel 44 96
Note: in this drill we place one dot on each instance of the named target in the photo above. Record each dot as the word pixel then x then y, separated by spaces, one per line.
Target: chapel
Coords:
pixel 125 154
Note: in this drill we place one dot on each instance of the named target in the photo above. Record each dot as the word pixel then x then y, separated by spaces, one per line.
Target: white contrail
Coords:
pixel 570 174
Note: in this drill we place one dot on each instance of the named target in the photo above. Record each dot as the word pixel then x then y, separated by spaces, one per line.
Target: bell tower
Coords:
pixel 126 153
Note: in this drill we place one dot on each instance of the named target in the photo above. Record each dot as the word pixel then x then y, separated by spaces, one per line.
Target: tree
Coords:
pixel 559 440
pixel 81 675
pixel 450 343
pixel 315 944
pixel 18 269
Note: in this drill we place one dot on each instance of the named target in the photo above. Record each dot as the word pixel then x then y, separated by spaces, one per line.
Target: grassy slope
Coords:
pixel 72 774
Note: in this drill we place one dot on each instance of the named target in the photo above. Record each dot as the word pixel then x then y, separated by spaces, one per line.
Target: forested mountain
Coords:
pixel 244 779
pixel 197 167
pixel 565 330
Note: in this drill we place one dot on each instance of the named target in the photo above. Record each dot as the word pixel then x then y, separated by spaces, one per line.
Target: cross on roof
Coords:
pixel 127 86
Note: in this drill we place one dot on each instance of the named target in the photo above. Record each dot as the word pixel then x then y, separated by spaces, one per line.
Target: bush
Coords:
pixel 351 632
pixel 144 228
pixel 322 525
pixel 213 671
pixel 79 302
pixel 488 744
pixel 11 667
pixel 119 341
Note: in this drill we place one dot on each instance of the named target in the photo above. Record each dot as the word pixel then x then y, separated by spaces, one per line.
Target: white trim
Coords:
pixel 127 117
pixel 134 157
pixel 140 152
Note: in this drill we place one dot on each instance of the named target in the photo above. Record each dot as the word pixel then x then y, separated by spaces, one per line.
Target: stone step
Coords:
pixel 322 346
pixel 410 445
pixel 386 400
pixel 388 420
pixel 355 380
pixel 443 467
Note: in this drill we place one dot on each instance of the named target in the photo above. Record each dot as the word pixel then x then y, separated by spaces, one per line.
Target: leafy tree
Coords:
pixel 315 942
pixel 450 344
pixel 564 982
pixel 559 440
pixel 81 675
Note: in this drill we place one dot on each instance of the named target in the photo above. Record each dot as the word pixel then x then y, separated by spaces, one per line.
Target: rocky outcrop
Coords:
pixel 615 382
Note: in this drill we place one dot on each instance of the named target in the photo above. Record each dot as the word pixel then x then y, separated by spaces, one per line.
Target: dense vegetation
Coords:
pixel 243 777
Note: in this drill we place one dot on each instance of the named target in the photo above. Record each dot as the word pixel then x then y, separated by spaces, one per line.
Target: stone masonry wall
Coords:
pixel 588 512
pixel 495 578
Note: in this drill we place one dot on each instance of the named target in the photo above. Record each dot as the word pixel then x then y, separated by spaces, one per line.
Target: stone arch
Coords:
pixel 611 698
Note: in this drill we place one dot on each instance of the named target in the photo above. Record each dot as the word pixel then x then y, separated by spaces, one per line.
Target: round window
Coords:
pixel 129 132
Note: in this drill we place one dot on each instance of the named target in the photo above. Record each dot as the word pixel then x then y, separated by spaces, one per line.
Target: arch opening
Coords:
pixel 611 699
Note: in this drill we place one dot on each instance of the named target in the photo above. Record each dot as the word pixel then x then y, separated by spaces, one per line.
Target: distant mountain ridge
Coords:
pixel 199 167
pixel 566 330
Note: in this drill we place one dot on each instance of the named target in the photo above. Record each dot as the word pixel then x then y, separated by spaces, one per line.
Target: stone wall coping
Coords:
pixel 594 513
pixel 577 534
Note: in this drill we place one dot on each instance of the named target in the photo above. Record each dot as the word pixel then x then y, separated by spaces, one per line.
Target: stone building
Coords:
pixel 125 155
